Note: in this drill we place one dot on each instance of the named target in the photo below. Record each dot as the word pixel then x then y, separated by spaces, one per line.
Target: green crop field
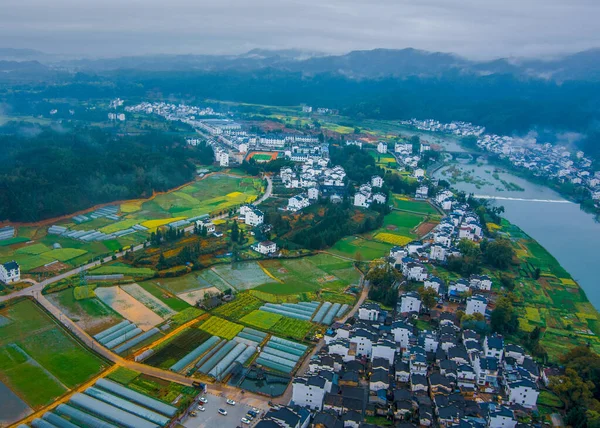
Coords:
pixel 243 304
pixel 243 276
pixel 356 247
pixel 410 205
pixel 221 327
pixel 292 328
pixel 34 249
pixel 165 296
pixel 39 361
pixel 119 225
pixel 309 274
pixel 185 316
pixel 64 254
pixel 124 269
pixel 177 348
pixel 261 319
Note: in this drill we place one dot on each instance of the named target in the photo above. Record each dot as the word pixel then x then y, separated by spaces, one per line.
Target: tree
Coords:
pixel 235 232
pixel 415 141
pixel 507 282
pixel 499 253
pixel 572 389
pixel 504 318
pixel 428 297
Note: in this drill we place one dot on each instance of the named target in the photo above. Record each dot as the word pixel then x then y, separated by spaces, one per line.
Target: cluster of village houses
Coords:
pixel 380 364
pixel 554 162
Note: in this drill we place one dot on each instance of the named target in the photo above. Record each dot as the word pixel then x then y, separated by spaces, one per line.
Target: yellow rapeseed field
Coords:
pixel 152 224
pixel 390 238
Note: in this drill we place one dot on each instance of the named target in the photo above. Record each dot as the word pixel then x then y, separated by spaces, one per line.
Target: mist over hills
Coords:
pixel 370 64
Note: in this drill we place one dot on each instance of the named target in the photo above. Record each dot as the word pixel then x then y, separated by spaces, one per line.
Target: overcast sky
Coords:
pixel 478 29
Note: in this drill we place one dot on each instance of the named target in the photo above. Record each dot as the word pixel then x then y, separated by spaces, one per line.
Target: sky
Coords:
pixel 478 29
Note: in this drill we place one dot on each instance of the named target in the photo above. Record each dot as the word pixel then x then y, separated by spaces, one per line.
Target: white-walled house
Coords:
pixel 502 417
pixel 254 217
pixel 298 202
pixel 10 272
pixel 481 282
pixel 309 391
pixel 361 200
pixel 410 302
pixel 402 332
pixel 434 282
pixel 313 193
pixel 493 346
pixel 476 304
pixel 379 198
pixel 384 349
pixel 266 247
pixel 382 147
pixel 422 192
pixel 522 392
pixel 369 312
pixel 414 271
pixel 376 181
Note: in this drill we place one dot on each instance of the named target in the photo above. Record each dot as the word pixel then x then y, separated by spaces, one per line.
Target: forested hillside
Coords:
pixel 56 173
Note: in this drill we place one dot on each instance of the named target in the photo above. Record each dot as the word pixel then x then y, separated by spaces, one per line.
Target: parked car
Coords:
pixel 203 400
pixel 249 416
pixel 222 412
pixel 230 402
pixel 255 410
pixel 245 421
pixel 201 408
pixel 252 413
pixel 192 413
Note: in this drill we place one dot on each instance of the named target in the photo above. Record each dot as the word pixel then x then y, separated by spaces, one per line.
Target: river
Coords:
pixel 569 234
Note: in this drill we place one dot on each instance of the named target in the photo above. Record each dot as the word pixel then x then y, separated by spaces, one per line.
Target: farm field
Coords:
pixel 176 348
pixel 554 301
pixel 128 307
pixel 403 203
pixel 243 304
pixel 148 300
pixel 221 327
pixel 215 193
pixel 194 296
pixel 124 269
pixel 309 274
pixel 242 276
pixel 90 314
pixel 169 299
pixel 292 328
pixel 261 319
pixel 356 247
pixel 38 360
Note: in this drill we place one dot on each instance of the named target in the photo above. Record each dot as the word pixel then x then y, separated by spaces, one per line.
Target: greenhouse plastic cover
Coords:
pixel 289 343
pixel 125 329
pixel 321 313
pixel 222 365
pixel 127 406
pixel 273 365
pixel 254 332
pixel 285 313
pixel 129 335
pixel 331 313
pixel 110 412
pixel 112 329
pixel 212 361
pixel 136 340
pixel 40 423
pixel 285 348
pixel 82 418
pixel 342 310
pixel 282 354
pixel 137 397
pixel 210 353
pixel 58 421
pixel 187 359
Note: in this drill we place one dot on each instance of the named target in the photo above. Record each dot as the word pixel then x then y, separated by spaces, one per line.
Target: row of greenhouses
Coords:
pixel 123 336
pixel 308 311
pixel 107 404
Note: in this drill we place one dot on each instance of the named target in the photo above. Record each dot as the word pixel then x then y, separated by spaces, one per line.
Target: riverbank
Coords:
pixel 554 301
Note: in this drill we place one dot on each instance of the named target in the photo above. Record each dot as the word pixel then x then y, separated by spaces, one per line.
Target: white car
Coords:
pixel 203 400
pixel 230 402
pixel 245 421
pixel 201 408
pixel 222 412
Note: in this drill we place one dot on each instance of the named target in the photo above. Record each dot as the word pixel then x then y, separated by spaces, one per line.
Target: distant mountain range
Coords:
pixel 377 63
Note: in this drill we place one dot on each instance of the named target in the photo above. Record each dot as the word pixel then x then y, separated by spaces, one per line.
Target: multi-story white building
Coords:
pixel 434 282
pixel 369 312
pixel 384 349
pixel 10 272
pixel 522 392
pixel 309 391
pixel 476 305
pixel 376 181
pixel 254 217
pixel 298 202
pixel 402 332
pixel 266 247
pixel 410 302
pixel 382 147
